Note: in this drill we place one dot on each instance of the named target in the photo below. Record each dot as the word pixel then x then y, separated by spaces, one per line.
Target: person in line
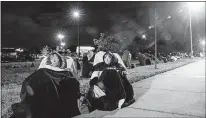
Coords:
pixel 51 91
pixel 87 68
pixel 110 88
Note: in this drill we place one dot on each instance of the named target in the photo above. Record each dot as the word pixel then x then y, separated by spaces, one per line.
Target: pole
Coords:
pixel 155 40
pixel 78 41
pixel 190 32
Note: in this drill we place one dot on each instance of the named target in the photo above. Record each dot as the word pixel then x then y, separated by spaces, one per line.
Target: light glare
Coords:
pixel 62 44
pixel 168 17
pixel 60 36
pixel 76 14
pixel 195 6
pixel 144 36
pixel 203 42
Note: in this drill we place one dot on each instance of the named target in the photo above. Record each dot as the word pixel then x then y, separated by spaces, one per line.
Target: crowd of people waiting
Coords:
pixel 53 90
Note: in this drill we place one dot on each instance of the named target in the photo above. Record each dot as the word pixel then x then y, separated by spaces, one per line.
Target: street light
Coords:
pixel 155 26
pixel 60 36
pixel 143 36
pixel 76 16
pixel 193 6
pixel 203 42
pixel 196 6
pixel 63 44
pixel 203 46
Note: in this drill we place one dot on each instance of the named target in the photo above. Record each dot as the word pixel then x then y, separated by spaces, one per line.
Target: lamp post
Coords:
pixel 193 6
pixel 76 15
pixel 60 37
pixel 155 26
pixel 155 31
pixel 191 49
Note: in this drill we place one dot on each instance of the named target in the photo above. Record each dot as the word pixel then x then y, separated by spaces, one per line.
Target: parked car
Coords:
pixel 12 55
pixel 25 56
pixel 8 54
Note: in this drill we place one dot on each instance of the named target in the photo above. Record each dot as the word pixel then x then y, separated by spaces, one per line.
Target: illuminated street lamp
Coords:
pixel 76 16
pixel 203 46
pixel 193 6
pixel 143 36
pixel 63 44
pixel 60 36
pixel 203 42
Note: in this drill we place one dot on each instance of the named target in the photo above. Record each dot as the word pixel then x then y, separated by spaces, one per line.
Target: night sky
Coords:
pixel 35 24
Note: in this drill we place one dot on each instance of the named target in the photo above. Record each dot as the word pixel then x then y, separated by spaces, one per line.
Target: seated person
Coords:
pixel 51 91
pixel 110 88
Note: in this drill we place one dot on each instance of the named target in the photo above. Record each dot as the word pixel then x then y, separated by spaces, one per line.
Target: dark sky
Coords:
pixel 28 24
pixel 35 24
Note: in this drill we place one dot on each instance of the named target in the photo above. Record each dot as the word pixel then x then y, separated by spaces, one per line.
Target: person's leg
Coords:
pixel 128 88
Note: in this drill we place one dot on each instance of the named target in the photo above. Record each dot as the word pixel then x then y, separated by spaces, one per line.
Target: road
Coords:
pixel 177 93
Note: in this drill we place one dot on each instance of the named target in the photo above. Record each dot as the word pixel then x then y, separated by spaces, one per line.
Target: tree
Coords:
pixel 108 43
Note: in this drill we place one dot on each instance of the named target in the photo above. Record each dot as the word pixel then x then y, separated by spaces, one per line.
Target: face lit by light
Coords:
pixel 55 60
pixel 107 59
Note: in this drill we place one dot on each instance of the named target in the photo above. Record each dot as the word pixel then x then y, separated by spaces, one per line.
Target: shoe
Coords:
pixel 120 103
pixel 128 103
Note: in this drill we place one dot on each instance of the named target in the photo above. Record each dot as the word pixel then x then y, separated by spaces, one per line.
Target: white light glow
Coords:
pixel 196 6
pixel 203 42
pixel 151 26
pixel 76 14
pixel 144 36
pixel 63 44
pixel 168 17
pixel 60 36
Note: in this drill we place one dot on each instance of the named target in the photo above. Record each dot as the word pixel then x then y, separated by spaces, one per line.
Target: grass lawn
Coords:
pixel 13 76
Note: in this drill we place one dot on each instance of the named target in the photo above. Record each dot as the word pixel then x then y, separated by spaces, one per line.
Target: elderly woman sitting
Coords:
pixel 52 90
pixel 110 88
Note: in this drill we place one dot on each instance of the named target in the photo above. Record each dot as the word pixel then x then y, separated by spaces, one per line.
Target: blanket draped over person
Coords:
pixel 113 83
pixel 51 94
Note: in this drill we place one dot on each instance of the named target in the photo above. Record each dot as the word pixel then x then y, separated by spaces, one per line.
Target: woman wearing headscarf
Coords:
pixel 51 91
pixel 110 89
